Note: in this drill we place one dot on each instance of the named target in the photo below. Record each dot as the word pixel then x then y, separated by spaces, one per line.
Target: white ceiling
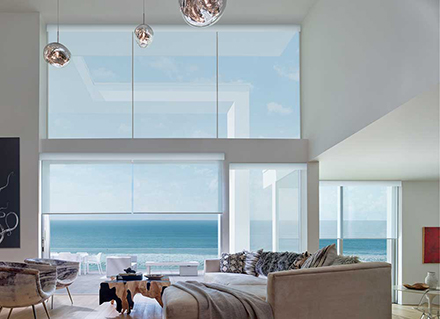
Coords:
pixel 160 11
pixel 402 145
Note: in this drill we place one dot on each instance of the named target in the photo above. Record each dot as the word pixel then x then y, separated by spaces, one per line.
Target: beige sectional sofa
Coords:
pixel 361 291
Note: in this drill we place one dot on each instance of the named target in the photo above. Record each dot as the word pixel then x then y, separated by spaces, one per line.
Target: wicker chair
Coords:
pixel 67 272
pixel 24 285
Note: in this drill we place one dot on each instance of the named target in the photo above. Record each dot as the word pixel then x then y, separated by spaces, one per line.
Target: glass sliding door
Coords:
pixel 266 206
pixel 362 219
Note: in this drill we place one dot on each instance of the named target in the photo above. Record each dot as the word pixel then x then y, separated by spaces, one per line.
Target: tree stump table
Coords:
pixel 123 292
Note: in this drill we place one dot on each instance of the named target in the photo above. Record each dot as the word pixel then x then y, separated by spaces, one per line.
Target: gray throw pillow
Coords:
pixel 251 261
pixel 232 263
pixel 321 258
pixel 346 260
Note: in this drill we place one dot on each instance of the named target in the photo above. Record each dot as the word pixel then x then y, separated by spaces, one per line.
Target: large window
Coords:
pixel 361 218
pixel 266 205
pixel 158 210
pixel 187 84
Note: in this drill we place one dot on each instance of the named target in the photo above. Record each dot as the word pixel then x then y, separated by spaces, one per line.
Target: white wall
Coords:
pixel 420 208
pixel 360 60
pixel 19 116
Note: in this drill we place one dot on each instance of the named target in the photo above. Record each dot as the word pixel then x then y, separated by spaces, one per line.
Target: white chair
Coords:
pixel 117 264
pixel 83 256
pixel 94 260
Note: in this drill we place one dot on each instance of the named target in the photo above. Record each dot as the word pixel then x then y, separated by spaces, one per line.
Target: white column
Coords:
pixel 340 220
pixel 275 217
pixel 238 117
pixel 239 211
pixel 312 206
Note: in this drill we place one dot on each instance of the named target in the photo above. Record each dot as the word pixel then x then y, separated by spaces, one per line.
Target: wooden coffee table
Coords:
pixel 123 292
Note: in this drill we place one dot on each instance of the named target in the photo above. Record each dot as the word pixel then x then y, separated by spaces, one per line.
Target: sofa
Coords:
pixel 361 291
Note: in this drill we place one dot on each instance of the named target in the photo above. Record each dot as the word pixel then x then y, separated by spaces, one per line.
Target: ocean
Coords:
pixel 167 240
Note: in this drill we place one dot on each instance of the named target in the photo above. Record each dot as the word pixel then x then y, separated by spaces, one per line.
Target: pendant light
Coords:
pixel 144 33
pixel 202 13
pixel 55 53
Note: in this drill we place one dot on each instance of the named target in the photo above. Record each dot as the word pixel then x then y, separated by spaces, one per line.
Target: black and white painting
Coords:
pixel 9 192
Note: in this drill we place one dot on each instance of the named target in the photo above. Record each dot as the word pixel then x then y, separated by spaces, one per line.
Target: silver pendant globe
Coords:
pixel 202 13
pixel 144 35
pixel 56 54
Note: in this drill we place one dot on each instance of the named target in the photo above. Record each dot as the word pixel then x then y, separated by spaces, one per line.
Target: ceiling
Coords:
pixel 159 11
pixel 402 145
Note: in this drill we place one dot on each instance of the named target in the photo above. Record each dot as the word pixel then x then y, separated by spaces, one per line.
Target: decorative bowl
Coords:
pixel 417 286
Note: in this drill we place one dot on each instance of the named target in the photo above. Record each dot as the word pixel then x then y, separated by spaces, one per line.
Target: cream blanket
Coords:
pixel 222 302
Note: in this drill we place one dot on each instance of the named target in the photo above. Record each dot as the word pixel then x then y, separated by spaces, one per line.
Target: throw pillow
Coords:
pixel 321 258
pixel 233 263
pixel 346 260
pixel 275 261
pixel 300 261
pixel 251 260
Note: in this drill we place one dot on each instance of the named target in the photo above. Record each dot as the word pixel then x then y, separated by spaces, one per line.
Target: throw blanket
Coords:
pixel 222 302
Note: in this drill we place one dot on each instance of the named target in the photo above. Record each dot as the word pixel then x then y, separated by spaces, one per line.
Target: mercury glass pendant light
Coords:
pixel 55 53
pixel 202 13
pixel 143 32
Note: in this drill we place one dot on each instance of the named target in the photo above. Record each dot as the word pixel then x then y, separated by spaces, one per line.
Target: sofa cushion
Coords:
pixel 275 261
pixel 179 304
pixel 234 279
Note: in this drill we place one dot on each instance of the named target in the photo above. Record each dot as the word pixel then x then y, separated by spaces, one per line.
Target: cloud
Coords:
pixel 172 69
pixel 287 72
pixel 103 73
pixel 274 107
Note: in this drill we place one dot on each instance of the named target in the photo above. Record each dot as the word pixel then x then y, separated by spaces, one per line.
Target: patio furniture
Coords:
pixel 186 268
pixel 117 264
pixel 83 260
pixel 25 285
pixel 94 260
pixel 67 272
pixel 124 291
pixel 134 262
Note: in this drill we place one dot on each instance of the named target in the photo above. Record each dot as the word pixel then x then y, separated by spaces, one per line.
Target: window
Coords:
pixel 157 209
pixel 266 206
pixel 187 84
pixel 361 218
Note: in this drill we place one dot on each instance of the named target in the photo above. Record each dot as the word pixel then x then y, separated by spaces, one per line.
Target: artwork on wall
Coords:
pixel 9 192
pixel 431 245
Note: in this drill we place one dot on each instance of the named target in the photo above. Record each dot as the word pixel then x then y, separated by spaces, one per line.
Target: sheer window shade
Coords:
pixel 126 187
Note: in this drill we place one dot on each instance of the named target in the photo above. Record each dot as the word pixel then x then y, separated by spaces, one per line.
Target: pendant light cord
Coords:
pixel 58 21
pixel 143 15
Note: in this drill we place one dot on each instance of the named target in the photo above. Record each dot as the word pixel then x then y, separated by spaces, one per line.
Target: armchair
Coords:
pixel 67 272
pixel 24 285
